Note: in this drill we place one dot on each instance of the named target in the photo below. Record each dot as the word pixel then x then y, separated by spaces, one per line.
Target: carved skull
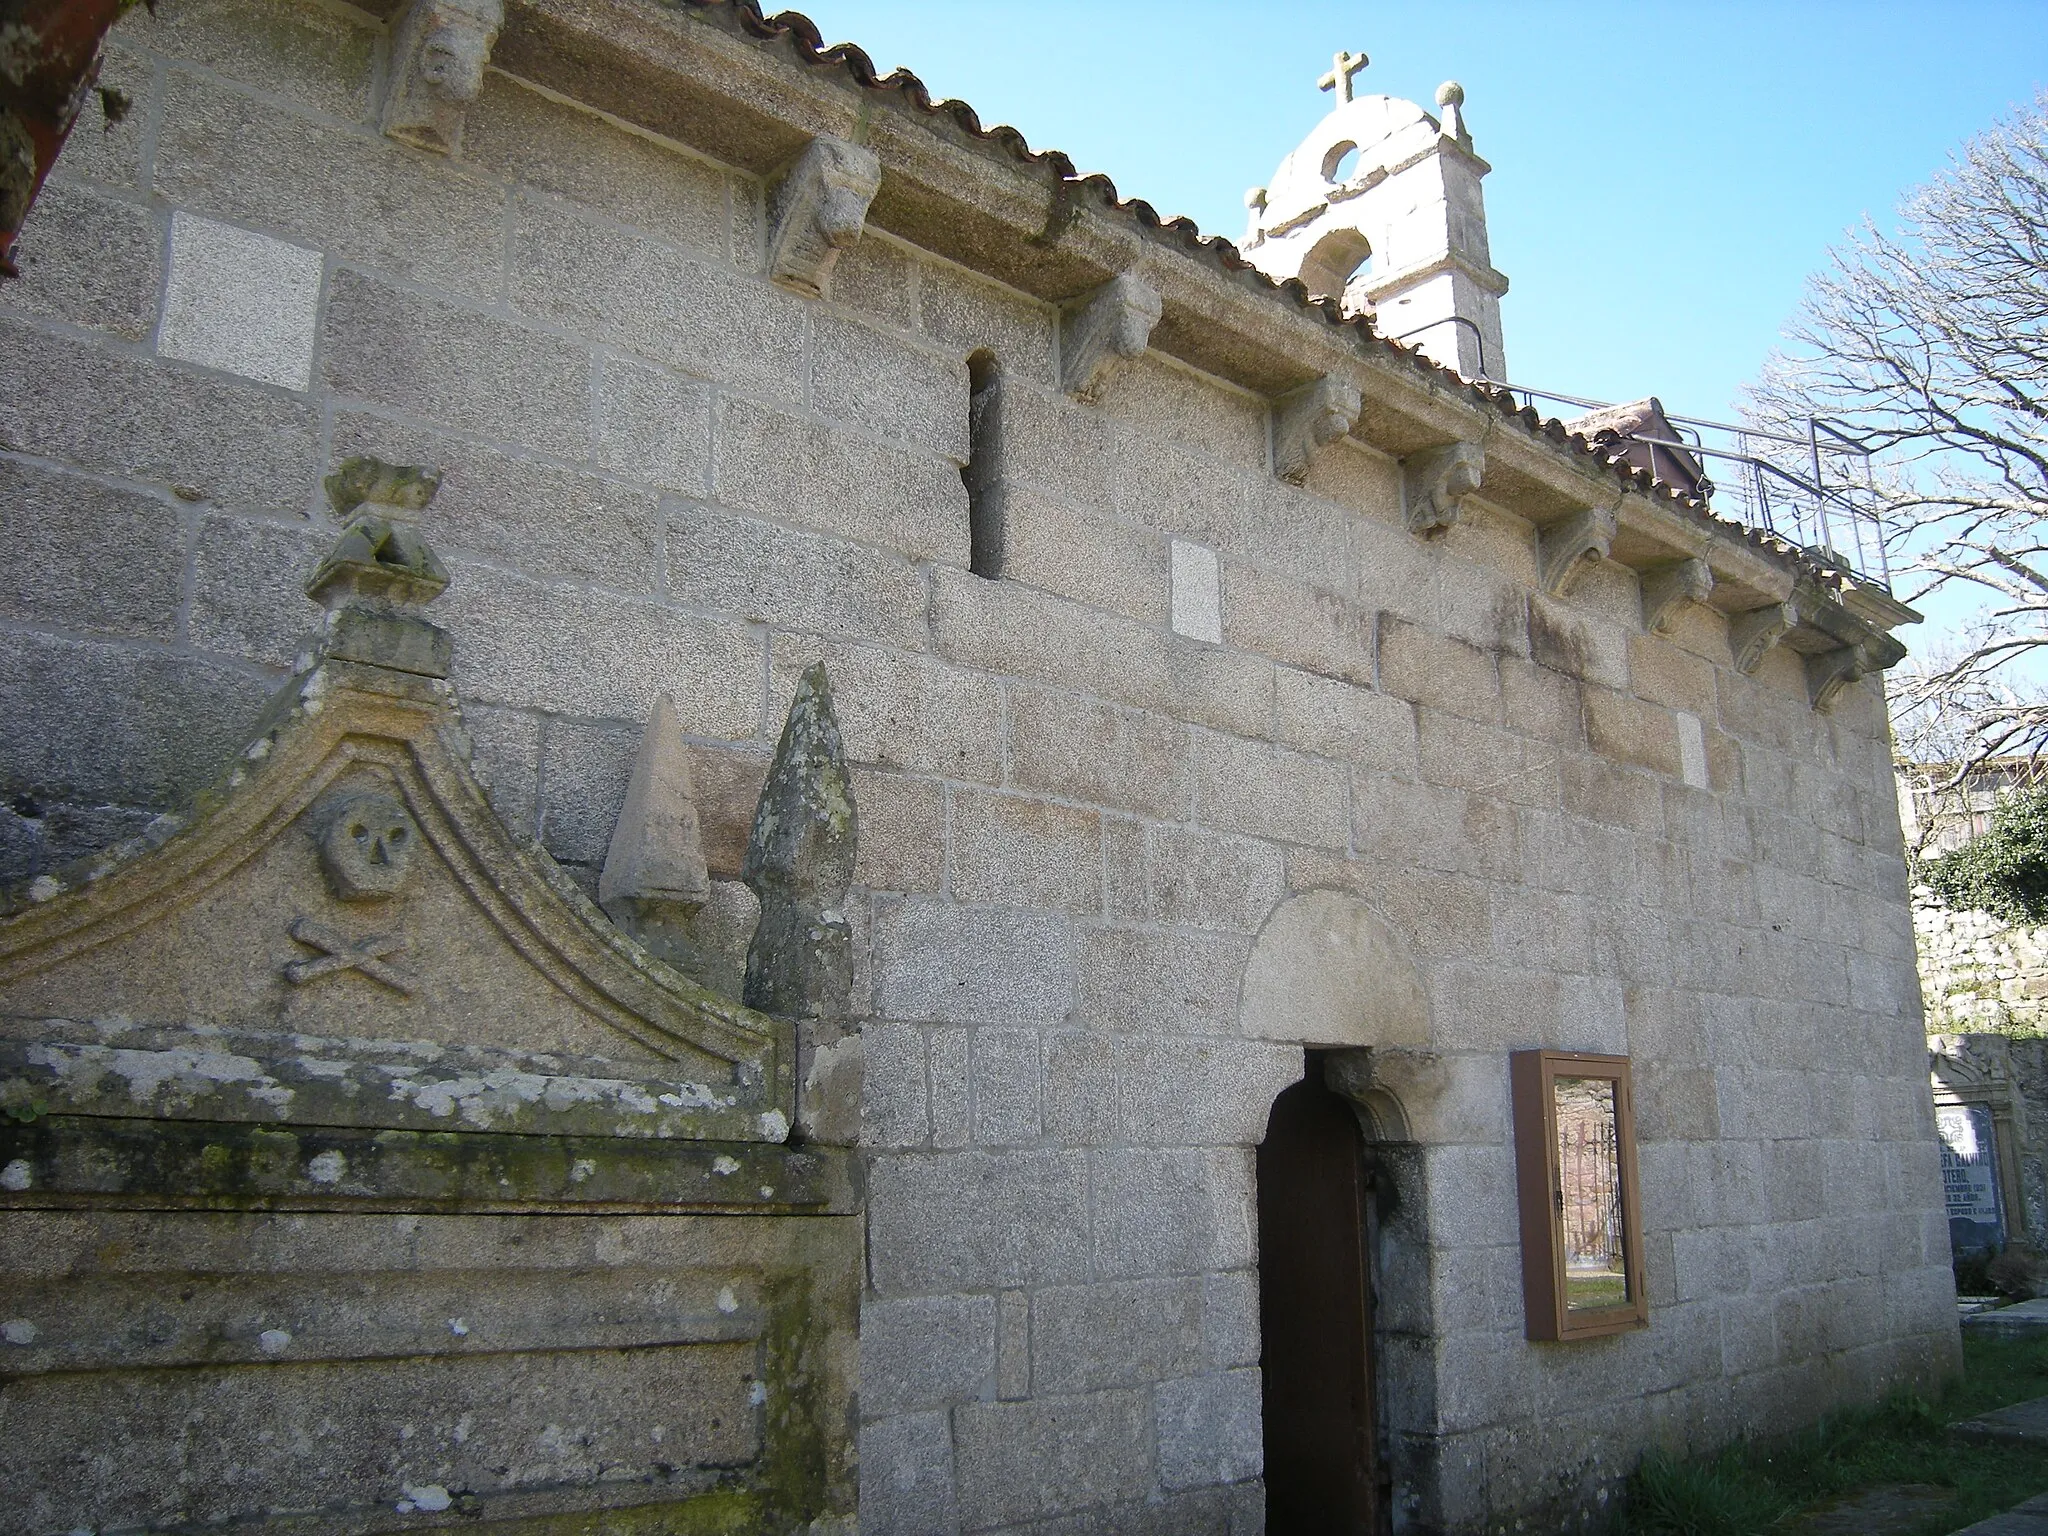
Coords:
pixel 458 46
pixel 366 844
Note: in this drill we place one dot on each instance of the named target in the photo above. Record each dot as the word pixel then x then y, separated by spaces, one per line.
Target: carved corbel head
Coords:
pixel 1435 484
pixel 1308 421
pixel 438 54
pixel 1751 635
pixel 1830 672
pixel 457 47
pixel 1668 588
pixel 1568 547
pixel 821 207
pixel 1111 327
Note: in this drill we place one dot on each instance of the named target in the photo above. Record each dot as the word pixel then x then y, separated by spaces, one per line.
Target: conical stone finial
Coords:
pixel 657 848
pixel 799 862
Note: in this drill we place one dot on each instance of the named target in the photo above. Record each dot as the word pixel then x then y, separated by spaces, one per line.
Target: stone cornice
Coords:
pixel 717 76
pixel 1493 282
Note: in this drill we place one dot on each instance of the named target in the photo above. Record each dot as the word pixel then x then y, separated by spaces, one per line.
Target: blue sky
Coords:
pixel 1664 175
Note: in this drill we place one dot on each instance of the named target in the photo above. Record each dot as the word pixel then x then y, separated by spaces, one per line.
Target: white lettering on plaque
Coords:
pixel 1967 1175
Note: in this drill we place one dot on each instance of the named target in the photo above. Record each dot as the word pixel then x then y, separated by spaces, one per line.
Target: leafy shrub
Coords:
pixel 2005 871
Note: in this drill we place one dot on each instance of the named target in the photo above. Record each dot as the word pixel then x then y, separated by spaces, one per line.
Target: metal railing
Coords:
pixel 1820 506
pixel 1468 323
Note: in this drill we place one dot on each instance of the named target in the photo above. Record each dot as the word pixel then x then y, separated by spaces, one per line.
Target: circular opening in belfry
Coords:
pixel 1340 162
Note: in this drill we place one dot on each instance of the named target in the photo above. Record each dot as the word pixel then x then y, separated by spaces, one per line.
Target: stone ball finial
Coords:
pixel 1451 97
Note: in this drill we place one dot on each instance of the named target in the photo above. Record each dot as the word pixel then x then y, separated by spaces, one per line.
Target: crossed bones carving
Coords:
pixel 337 953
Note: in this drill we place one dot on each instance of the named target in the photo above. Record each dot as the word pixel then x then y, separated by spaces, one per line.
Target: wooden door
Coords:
pixel 1315 1316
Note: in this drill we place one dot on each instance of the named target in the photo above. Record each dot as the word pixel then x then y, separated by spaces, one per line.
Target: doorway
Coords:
pixel 1315 1317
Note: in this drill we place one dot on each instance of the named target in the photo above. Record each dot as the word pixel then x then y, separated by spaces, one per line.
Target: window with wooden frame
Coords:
pixel 1575 1170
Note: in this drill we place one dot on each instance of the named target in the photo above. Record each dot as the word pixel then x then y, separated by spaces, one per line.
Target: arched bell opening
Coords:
pixel 1333 261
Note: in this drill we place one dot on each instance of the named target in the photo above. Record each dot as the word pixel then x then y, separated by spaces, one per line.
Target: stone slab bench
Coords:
pixel 2028 1519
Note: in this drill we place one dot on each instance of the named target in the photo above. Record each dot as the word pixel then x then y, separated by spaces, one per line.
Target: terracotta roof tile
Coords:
pixel 796 28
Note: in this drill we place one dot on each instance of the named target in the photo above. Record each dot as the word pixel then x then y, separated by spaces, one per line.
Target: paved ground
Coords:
pixel 1889 1511
pixel 2020 1315
pixel 2021 1424
pixel 2028 1519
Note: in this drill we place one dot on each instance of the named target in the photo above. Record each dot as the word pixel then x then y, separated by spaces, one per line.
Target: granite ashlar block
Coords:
pixel 459 367
pixel 347 191
pixel 84 555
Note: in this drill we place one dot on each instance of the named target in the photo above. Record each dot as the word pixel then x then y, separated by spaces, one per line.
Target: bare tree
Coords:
pixel 1931 347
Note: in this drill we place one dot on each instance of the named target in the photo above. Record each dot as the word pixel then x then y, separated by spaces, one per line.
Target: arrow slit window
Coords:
pixel 1575 1168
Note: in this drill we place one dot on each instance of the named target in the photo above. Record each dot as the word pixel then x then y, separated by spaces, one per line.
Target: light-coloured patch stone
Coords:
pixel 241 302
pixel 1692 750
pixel 1197 592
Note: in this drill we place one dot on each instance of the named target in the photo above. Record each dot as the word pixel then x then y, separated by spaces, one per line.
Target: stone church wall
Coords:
pixel 664 473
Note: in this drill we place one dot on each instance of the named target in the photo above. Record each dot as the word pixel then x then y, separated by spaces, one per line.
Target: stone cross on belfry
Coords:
pixel 1342 67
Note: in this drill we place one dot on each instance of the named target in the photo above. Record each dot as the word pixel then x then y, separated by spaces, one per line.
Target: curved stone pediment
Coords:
pixel 241 919
pixel 344 931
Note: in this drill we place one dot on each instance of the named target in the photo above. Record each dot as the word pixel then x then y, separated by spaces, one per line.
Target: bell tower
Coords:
pixel 1380 208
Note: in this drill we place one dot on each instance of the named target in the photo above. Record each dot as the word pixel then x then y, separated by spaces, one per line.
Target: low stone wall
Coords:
pixel 1979 973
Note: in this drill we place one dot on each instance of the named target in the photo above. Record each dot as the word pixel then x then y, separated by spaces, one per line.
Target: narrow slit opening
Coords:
pixel 982 474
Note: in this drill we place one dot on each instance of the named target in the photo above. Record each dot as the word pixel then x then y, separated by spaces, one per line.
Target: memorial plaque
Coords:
pixel 1969 1176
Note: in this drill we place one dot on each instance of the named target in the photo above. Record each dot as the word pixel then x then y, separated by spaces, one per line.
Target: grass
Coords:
pixel 1755 1488
pixel 1595 1289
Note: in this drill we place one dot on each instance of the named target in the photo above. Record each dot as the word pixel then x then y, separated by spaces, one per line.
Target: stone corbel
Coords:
pixel 1360 1074
pixel 1309 420
pixel 1569 546
pixel 820 209
pixel 1104 331
pixel 438 53
pixel 1435 484
pixel 1668 588
pixel 1751 635
pixel 1831 671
